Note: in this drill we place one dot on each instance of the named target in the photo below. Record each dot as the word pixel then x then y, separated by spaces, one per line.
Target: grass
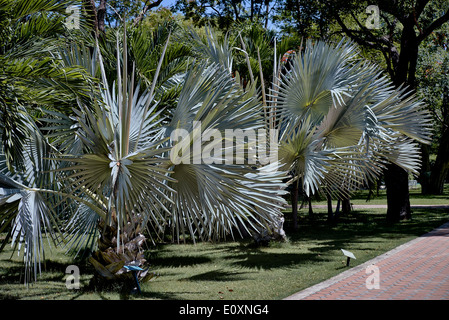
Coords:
pixel 237 269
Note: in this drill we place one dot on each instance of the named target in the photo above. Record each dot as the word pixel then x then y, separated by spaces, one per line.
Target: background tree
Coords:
pixel 303 18
pixel 433 87
pixel 111 11
pixel 32 73
pixel 224 13
pixel 340 121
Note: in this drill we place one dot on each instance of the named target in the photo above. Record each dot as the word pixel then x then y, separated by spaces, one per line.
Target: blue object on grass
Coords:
pixel 134 270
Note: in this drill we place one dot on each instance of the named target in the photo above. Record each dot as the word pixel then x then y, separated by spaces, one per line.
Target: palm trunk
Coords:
pixel 346 205
pixel 330 213
pixel 310 206
pixel 440 169
pixel 110 260
pixel 398 197
pixel 294 195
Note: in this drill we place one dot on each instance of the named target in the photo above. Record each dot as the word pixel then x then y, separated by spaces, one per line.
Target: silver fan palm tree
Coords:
pixel 126 166
pixel 341 121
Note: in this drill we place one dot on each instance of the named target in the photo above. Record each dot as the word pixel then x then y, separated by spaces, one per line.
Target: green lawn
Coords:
pixel 238 269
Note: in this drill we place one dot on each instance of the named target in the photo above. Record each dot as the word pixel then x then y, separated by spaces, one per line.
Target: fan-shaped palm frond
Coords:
pixel 29 211
pixel 320 77
pixel 214 191
pixel 212 48
pixel 120 160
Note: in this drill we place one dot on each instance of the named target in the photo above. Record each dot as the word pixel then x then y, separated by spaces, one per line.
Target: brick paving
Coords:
pixel 416 270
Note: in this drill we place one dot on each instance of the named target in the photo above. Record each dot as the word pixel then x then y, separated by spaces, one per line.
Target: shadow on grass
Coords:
pixel 363 223
pixel 161 295
pixel 51 271
pixel 269 261
pixel 178 261
pixel 415 194
pixel 358 228
pixel 218 275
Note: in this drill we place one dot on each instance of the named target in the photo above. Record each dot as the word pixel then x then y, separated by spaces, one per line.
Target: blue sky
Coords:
pixel 168 3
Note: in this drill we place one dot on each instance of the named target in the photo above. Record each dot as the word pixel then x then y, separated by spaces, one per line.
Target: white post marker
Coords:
pixel 349 255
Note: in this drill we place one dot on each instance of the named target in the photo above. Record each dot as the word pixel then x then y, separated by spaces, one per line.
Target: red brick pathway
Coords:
pixel 417 270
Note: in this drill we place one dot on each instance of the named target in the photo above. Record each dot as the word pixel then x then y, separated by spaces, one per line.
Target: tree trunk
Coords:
pixel 236 10
pixel 396 178
pixel 101 15
pixel 441 167
pixel 252 11
pixel 424 175
pixel 144 11
pixel 396 181
pixel 310 206
pixel 408 57
pixel 330 213
pixel 346 205
pixel 96 16
pixel 294 195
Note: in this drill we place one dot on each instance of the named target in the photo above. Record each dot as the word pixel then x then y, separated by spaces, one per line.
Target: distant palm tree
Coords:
pixel 341 121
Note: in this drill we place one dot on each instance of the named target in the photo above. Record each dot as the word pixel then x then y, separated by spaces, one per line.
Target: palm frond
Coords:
pixel 212 48
pixel 212 198
pixel 33 211
pixel 317 80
